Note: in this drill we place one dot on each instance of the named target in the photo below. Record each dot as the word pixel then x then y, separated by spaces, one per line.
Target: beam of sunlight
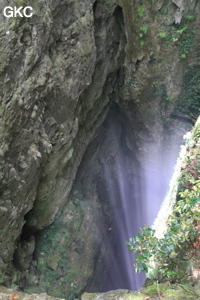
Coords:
pixel 128 211
pixel 160 223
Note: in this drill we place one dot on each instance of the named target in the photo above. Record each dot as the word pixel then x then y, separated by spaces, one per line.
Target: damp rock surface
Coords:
pixel 87 89
pixel 156 291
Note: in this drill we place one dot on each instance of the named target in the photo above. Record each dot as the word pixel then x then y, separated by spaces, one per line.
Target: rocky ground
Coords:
pixel 9 294
pixel 153 292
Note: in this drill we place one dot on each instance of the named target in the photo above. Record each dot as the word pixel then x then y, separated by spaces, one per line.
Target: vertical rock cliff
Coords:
pixel 87 89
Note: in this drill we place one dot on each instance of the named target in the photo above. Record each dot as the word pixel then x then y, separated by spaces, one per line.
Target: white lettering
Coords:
pixel 25 13
pixel 10 11
pixel 17 11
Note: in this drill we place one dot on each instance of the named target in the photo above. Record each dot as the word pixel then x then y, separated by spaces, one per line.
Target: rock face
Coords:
pixel 10 294
pixel 156 292
pixel 87 87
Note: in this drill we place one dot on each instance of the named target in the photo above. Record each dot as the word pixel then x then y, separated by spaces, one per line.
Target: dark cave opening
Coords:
pixel 127 197
pixel 115 173
pixel 129 191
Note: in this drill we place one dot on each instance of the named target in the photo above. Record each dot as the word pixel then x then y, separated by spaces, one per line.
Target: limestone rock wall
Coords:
pixel 6 294
pixel 43 112
pixel 61 72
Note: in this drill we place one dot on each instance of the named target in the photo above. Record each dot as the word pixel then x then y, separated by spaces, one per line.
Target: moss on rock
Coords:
pixel 155 291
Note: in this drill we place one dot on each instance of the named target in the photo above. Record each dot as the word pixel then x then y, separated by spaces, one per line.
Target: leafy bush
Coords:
pixel 188 102
pixel 172 253
pixel 141 11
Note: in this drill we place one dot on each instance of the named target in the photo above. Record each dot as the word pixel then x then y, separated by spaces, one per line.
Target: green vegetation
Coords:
pixel 154 291
pixel 65 252
pixel 185 40
pixel 58 274
pixel 154 85
pixel 108 4
pixel 180 35
pixel 141 11
pixel 144 29
pixel 169 258
pixel 142 43
pixel 191 18
pixel 188 102
pixel 162 34
pixel 19 2
pixel 183 55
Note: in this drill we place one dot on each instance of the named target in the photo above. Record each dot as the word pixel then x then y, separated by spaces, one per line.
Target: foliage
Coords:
pixel 58 274
pixel 19 2
pixel 144 29
pixel 167 259
pixel 162 34
pixel 183 55
pixel 141 11
pixel 189 100
pixel 142 43
pixel 181 35
pixel 154 84
pixel 166 252
pixel 185 40
pixel 192 17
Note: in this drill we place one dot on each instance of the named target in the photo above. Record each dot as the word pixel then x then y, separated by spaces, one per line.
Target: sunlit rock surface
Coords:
pixel 191 146
pixel 95 98
pixel 154 291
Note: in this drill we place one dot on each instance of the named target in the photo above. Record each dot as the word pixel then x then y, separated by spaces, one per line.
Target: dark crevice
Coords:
pixel 105 160
pixel 94 7
pixel 118 14
pixel 137 64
